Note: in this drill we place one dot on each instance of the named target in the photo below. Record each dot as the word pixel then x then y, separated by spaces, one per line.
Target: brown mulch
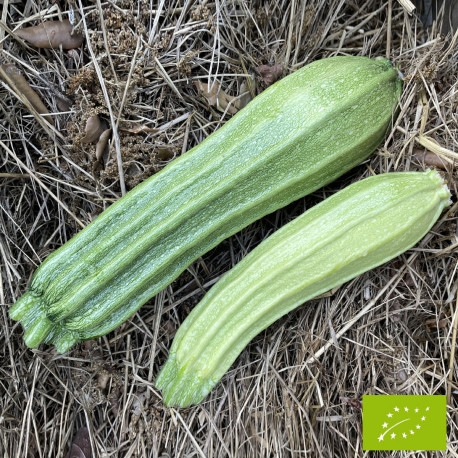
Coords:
pixel 149 71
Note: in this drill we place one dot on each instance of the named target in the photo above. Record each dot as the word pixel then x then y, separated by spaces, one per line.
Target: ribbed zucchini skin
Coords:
pixel 298 135
pixel 355 230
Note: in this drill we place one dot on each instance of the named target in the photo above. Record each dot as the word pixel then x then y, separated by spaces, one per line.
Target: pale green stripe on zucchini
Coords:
pixel 351 232
pixel 298 135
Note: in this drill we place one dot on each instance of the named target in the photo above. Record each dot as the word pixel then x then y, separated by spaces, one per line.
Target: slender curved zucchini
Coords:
pixel 355 230
pixel 298 135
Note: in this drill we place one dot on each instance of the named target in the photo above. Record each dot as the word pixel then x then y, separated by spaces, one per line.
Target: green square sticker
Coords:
pixel 401 422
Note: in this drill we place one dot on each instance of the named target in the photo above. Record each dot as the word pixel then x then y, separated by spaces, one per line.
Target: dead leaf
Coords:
pixel 270 73
pixel 102 144
pixel 435 323
pixel 52 34
pixel 103 379
pixel 433 159
pixel 216 97
pixel 352 402
pixel 81 446
pixel 93 129
pixel 169 328
pixel 63 105
pixel 16 81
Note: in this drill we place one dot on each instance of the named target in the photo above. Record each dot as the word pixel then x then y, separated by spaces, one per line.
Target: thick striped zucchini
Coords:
pixel 358 228
pixel 298 135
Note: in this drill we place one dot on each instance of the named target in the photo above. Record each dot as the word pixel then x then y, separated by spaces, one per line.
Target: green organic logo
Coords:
pixel 404 422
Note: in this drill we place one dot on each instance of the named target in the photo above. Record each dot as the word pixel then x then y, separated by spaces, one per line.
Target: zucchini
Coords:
pixel 298 135
pixel 356 229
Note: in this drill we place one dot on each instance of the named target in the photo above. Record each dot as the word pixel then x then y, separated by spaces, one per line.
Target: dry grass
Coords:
pixel 296 390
